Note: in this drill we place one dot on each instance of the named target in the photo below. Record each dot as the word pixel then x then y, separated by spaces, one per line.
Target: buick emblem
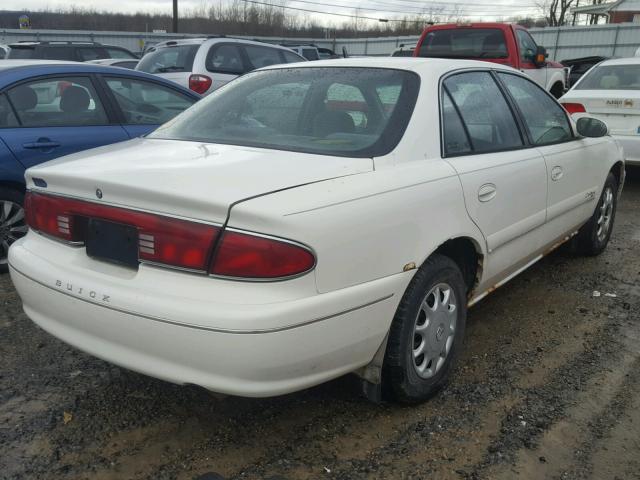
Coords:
pixel 98 193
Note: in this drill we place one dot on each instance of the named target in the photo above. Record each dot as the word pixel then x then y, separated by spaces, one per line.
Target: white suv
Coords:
pixel 206 64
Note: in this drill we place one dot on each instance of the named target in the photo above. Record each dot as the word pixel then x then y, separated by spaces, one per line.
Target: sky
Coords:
pixel 376 9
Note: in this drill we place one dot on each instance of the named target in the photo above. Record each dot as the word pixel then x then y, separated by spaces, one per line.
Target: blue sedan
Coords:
pixel 49 109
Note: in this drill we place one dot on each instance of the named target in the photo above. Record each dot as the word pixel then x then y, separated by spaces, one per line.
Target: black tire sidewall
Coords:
pixel 590 244
pixel 398 369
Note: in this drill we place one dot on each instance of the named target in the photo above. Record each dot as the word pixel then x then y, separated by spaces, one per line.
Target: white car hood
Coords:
pixel 190 179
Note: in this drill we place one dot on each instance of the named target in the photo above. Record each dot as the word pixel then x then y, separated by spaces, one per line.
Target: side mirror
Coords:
pixel 591 127
pixel 540 59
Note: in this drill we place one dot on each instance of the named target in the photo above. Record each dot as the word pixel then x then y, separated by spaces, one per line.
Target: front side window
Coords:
pixel 544 118
pixel 58 102
pixel 464 43
pixel 485 112
pixel 327 111
pixel 146 103
pixel 611 77
pixel 225 59
pixel 528 47
pixel 176 58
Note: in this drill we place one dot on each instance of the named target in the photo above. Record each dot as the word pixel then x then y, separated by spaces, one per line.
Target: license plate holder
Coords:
pixel 112 242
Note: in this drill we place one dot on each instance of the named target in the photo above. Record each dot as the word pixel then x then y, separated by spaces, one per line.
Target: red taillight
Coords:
pixel 199 83
pixel 574 107
pixel 249 256
pixel 172 241
pixel 161 239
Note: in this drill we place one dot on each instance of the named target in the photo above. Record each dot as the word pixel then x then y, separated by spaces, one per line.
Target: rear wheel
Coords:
pixel 594 235
pixel 12 223
pixel 426 332
pixel 557 90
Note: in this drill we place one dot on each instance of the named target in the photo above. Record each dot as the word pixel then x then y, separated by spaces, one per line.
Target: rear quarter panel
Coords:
pixel 367 226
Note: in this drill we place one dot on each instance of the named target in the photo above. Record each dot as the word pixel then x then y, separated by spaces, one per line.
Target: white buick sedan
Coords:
pixel 610 91
pixel 312 220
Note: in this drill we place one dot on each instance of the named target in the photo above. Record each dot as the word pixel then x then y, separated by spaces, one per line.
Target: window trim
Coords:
pixel 515 113
pixel 117 110
pixel 573 138
pixel 107 107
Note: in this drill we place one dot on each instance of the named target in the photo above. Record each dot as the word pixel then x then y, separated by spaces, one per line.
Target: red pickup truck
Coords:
pixel 502 43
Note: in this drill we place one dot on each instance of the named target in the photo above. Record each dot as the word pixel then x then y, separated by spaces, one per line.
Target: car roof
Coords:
pixel 420 65
pixel 12 71
pixel 215 39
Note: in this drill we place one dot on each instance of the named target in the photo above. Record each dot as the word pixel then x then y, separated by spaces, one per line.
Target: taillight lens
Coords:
pixel 164 240
pixel 172 241
pixel 574 107
pixel 199 83
pixel 244 255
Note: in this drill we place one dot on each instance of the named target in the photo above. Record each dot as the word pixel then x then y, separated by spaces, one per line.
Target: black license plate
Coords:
pixel 112 242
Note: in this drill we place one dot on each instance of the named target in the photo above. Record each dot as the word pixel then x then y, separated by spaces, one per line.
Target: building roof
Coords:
pixel 604 8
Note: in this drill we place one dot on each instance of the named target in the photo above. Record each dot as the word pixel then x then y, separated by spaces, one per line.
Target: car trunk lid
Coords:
pixel 619 109
pixel 188 179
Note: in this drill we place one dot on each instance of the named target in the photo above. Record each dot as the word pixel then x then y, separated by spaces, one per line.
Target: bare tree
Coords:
pixel 555 11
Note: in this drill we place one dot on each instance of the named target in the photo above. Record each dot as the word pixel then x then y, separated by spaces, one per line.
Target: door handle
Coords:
pixel 556 173
pixel 487 192
pixel 43 143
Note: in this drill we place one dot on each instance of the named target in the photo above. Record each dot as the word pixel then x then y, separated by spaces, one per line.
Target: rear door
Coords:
pixel 144 105
pixel 503 179
pixel 58 116
pixel 527 49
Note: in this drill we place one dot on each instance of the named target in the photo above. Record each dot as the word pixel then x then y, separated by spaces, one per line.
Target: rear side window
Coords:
pixel 485 112
pixel 58 102
pixel 611 77
pixel 545 119
pixel 147 103
pixel 456 141
pixel 464 43
pixel 225 59
pixel 7 117
pixel 262 56
pixel 178 58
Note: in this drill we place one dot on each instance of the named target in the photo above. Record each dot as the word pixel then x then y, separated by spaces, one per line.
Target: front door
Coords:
pixel 572 163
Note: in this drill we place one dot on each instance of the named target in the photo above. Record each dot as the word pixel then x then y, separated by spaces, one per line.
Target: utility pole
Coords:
pixel 175 16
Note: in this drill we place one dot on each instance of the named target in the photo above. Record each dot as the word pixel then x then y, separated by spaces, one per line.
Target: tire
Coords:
pixel 593 236
pixel 12 225
pixel 411 378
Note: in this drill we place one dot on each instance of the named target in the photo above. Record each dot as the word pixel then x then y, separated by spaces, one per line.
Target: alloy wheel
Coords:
pixel 605 215
pixel 12 227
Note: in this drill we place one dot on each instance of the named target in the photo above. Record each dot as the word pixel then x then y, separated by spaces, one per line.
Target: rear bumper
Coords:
pixel 277 346
pixel 631 146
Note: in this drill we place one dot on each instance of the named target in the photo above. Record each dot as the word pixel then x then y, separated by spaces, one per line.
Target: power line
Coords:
pixel 422 12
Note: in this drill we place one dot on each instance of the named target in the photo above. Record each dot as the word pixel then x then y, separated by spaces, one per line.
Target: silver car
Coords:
pixel 206 64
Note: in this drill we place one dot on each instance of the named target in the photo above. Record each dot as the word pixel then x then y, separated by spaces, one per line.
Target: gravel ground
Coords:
pixel 548 387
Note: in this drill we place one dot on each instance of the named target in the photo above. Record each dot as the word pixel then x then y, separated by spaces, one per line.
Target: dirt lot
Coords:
pixel 548 387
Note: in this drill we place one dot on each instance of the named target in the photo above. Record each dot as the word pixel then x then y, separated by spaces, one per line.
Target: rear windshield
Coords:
pixel 464 43
pixel 354 112
pixel 175 58
pixel 611 77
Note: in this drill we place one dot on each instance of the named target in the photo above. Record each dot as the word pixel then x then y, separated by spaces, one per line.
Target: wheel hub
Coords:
pixel 434 330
